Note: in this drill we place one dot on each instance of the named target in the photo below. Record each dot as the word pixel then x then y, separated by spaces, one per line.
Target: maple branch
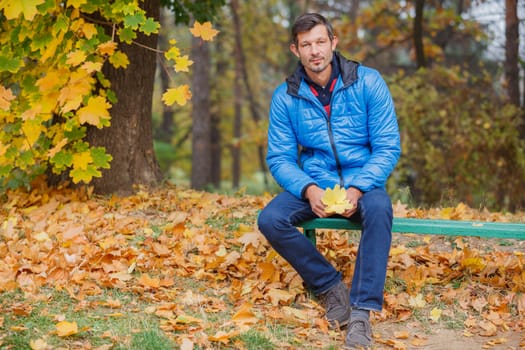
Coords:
pixel 147 47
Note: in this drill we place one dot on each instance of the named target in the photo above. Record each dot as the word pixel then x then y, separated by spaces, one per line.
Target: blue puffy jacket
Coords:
pixel 358 145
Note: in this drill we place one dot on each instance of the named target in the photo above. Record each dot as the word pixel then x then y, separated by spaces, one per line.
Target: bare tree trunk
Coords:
pixel 241 60
pixel 512 51
pixel 221 65
pixel 237 90
pixel 165 131
pixel 129 139
pixel 418 34
pixel 201 129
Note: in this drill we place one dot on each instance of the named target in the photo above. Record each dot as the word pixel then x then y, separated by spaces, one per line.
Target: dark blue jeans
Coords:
pixel 276 222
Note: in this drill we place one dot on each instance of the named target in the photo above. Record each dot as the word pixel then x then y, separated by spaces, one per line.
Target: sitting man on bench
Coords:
pixel 342 117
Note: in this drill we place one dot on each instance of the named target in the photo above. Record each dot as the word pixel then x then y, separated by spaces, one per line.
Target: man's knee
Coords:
pixel 264 220
pixel 377 201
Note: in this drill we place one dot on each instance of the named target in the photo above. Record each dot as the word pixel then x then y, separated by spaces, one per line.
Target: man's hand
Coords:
pixel 314 194
pixel 353 195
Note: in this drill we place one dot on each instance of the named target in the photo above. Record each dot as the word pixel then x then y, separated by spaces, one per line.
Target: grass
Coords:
pixel 26 320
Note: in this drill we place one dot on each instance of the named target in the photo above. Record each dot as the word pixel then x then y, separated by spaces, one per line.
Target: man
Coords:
pixel 341 117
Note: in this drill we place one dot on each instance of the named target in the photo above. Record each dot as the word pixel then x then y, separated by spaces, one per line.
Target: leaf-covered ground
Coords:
pixel 194 264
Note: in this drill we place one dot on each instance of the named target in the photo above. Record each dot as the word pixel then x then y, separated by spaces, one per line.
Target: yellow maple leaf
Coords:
pixel 76 57
pixel 435 314
pixel 173 53
pixel 52 80
pixel 82 160
pixel 71 95
pixel 65 328
pixel 6 96
pixel 95 112
pixel 32 129
pixel 91 67
pixel 205 30
pixel 180 95
pixel 119 59
pixel 182 64
pixel 107 48
pixel 13 9
pixel 89 30
pixel 335 200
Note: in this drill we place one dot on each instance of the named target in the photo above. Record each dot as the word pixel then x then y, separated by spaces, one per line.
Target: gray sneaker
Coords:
pixel 336 302
pixel 359 335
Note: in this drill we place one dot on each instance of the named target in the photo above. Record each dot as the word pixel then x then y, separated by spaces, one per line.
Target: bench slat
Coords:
pixel 425 226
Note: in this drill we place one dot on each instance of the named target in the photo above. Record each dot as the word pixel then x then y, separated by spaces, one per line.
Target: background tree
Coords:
pixel 201 126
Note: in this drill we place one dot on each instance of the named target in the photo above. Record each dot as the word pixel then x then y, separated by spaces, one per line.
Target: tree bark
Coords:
pixel 418 34
pixel 129 139
pixel 512 51
pixel 221 65
pixel 237 91
pixel 201 126
pixel 254 110
pixel 165 132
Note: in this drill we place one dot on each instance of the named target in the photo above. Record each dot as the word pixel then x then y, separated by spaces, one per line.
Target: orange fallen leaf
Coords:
pixel 223 337
pixel 65 328
pixel 401 335
pixel 147 281
pixel 245 316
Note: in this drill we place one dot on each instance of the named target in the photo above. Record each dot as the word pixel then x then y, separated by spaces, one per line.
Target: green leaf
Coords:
pixel 150 26
pixel 62 160
pixel 11 65
pixel 133 21
pixel 127 35
pixel 84 175
pixel 100 158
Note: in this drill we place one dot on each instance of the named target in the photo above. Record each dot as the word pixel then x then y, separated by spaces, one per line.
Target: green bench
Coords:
pixel 424 226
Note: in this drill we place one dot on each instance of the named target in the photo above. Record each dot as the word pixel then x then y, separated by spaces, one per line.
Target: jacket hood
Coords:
pixel 347 68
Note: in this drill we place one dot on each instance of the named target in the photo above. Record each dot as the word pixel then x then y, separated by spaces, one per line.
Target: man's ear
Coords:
pixel 293 48
pixel 335 40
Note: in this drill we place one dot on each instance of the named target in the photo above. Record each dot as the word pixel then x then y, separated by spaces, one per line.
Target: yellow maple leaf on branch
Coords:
pixel 180 95
pixel 182 64
pixel 204 31
pixel 335 200
pixel 95 112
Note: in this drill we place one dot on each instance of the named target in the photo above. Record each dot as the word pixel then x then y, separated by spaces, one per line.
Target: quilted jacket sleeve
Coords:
pixel 283 147
pixel 383 133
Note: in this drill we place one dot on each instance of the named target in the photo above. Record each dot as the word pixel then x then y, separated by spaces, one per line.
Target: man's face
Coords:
pixel 315 49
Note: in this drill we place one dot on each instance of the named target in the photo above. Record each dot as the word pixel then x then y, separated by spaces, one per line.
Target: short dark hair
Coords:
pixel 307 21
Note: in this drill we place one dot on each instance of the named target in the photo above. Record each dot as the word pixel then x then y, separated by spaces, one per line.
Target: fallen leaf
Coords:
pixel 65 328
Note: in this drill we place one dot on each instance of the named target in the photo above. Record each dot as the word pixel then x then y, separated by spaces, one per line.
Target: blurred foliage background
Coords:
pixel 446 63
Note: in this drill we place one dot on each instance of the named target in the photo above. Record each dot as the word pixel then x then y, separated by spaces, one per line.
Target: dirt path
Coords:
pixel 440 338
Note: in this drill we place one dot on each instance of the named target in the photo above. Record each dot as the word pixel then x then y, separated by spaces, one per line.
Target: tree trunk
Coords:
pixel 237 92
pixel 165 131
pixel 418 34
pixel 221 65
pixel 129 139
pixel 254 110
pixel 201 125
pixel 512 51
